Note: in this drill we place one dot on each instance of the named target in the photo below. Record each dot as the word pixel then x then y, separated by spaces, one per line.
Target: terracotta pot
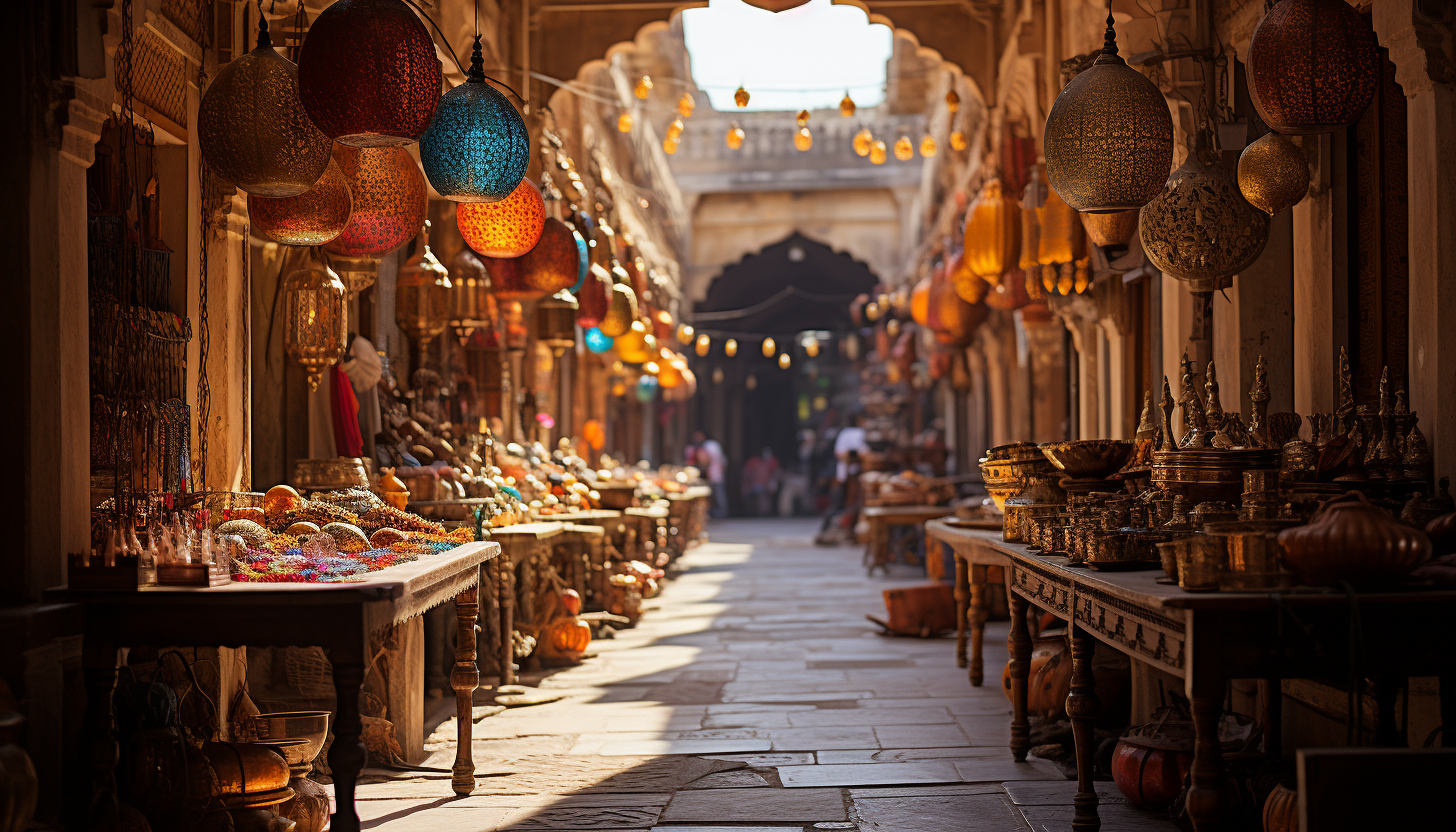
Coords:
pixel 1050 679
pixel 1150 777
pixel 1350 540
pixel 1281 810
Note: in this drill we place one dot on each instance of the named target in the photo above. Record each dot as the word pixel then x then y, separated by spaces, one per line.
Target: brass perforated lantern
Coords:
pixel 422 294
pixel 312 218
pixel 316 323
pixel 1200 229
pixel 556 321
pixel 388 192
pixel 551 265
pixel 1109 136
pixel 1110 229
pixel 252 128
pixel 993 233
pixel 1312 66
pixel 1273 173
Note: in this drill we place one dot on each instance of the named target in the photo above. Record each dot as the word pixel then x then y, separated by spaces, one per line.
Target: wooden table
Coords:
pixel 612 547
pixel 881 518
pixel 651 524
pixel 973 555
pixel 524 550
pixel 337 616
pixel 1208 639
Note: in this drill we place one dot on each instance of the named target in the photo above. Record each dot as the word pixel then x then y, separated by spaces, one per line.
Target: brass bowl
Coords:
pixel 292 751
pixel 312 726
pixel 1089 458
pixel 248 774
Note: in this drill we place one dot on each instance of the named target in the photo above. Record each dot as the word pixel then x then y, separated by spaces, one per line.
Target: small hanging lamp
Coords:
pixel 920 302
pixel 636 345
pixel 597 341
pixel 1312 66
pixel 670 144
pixel 993 233
pixel 551 265
pixel 1109 136
pixel 952 102
pixel 811 346
pixel 476 147
pixel 556 321
pixel 904 150
pixel 769 348
pixel 803 139
pixel 422 294
pixel 878 152
pixel 685 334
pixel 730 347
pixel 621 311
pixel 675 129
pixel 958 140
pixel 735 136
pixel 594 297
pixel 1060 236
pixel 508 228
pixel 624 123
pixel 863 140
pixel 950 317
pixel 847 106
pixel 784 361
pixel 368 74
pixel 1110 229
pixel 802 119
pixel 312 218
pixel 316 325
pixel 685 105
pixel 389 201
pixel 1273 173
pixel 970 286
pixel 740 97
pixel 928 147
pixel 703 345
pixel 469 293
pixel 643 87
pixel 253 130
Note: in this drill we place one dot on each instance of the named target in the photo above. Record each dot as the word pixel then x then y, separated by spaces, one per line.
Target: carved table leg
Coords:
pixel 506 587
pixel 962 596
pixel 978 623
pixel 347 754
pixel 1084 707
pixel 465 678
pixel 100 660
pixel 532 570
pixel 1019 644
pixel 1205 793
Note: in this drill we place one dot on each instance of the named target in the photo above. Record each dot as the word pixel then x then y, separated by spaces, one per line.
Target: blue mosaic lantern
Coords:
pixel 476 147
pixel 646 388
pixel 583 259
pixel 598 341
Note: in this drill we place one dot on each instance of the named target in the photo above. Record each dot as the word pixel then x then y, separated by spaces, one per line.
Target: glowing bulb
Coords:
pixel 846 105
pixel 811 347
pixel 784 361
pixel 675 129
pixel 643 88
pixel 735 136
pixel 928 147
pixel 685 105
pixel 769 348
pixel 669 145
pixel 651 368
pixel 730 348
pixel 952 101
pixel 740 97
pixel 872 311
pixel 624 122
pixel 684 333
pixel 904 150
pixel 803 139
pixel 703 345
pixel 802 119
pixel 877 152
pixel 958 141
pixel 892 327
pixel 862 141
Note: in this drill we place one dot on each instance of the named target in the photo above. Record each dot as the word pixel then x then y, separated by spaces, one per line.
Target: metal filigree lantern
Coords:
pixel 993 233
pixel 312 218
pixel 388 196
pixel 422 294
pixel 316 325
pixel 594 297
pixel 1200 229
pixel 1273 173
pixel 556 321
pixel 476 148
pixel 368 73
pixel 507 228
pixel 1109 136
pixel 1312 66
pixel 551 265
pixel 252 127
pixel 469 294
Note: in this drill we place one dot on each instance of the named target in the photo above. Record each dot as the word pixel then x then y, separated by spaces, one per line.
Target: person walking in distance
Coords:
pixel 711 461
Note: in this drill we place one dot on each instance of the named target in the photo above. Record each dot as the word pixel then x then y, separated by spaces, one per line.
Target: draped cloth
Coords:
pixel 344 408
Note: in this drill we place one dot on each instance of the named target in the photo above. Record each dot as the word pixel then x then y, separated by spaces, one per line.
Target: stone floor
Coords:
pixel 753 696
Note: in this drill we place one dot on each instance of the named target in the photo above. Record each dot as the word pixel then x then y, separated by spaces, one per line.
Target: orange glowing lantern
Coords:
pixel 508 228
pixel 993 233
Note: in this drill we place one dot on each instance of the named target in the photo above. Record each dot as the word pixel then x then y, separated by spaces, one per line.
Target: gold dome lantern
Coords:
pixel 1273 173
pixel 312 218
pixel 1200 229
pixel 1109 136
pixel 1114 229
pixel 422 294
pixel 993 233
pixel 316 323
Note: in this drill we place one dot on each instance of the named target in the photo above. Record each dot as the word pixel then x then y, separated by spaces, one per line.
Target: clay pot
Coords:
pixel 1281 810
pixel 1151 762
pixel 1050 679
pixel 1348 539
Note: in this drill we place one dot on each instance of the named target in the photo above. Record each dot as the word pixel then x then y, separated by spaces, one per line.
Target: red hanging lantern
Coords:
pixel 551 265
pixel 508 228
pixel 368 73
pixel 593 298
pixel 1312 66
pixel 389 200
pixel 951 319
pixel 312 218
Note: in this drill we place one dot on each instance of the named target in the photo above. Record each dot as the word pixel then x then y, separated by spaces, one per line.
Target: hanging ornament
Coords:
pixel 583 256
pixel 878 152
pixel 1060 236
pixel 252 128
pixel 389 200
pixel 675 129
pixel 316 326
pixel 904 149
pixel 594 297
pixel 802 119
pixel 368 74
pixel 920 302
pixel 476 147
pixel 634 346
pixel 703 345
pixel 422 294
pixel 508 228
pixel 928 147
pixel 769 348
pixel 952 102
pixel 730 348
pixel 951 318
pixel 621 311
pixel 643 87
pixel 556 321
pixel 470 300
pixel 1200 229
pixel 803 140
pixel 958 140
pixel 549 267
pixel 1312 66
pixel 685 105
pixel 863 140
pixel 993 233
pixel 847 107
pixel 312 218
pixel 1273 173
pixel 1113 229
pixel 597 341
pixel 735 136
pixel 970 286
pixel 740 97
pixel 669 145
pixel 784 361
pixel 1109 136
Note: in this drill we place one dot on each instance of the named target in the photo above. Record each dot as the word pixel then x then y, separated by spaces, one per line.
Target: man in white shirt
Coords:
pixel 711 461
pixel 850 438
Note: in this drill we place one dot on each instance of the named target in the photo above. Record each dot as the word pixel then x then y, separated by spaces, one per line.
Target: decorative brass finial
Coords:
pixel 1345 408
pixel 1194 423
pixel 1165 425
pixel 1212 406
pixel 1259 406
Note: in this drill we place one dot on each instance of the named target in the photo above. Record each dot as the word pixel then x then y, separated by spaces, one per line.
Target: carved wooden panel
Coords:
pixel 1047 590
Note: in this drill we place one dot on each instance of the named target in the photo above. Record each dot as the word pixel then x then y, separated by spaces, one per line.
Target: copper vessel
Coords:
pixel 1255 556
pixel 1201 563
pixel 1351 540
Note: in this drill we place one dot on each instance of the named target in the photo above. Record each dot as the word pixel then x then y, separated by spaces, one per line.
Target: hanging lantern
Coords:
pixel 970 286
pixel 846 106
pixel 803 139
pixel 920 302
pixel 368 74
pixel 952 102
pixel 1109 136
pixel 661 321
pixel 740 97
pixel 670 374
pixel 1060 237
pixel 675 129
pixel 958 140
pixel 470 299
pixel 993 233
pixel 670 145
pixel 252 128
pixel 508 228
pixel 476 148
pixel 556 321
pixel 621 311
pixel 1009 294
pixel 872 311
pixel 863 140
pixel 951 318
pixel 594 297
pixel 1030 238
pixel 1273 173
pixel 643 87
pixel 422 294
pixel 1312 66
pixel 703 345
pixel 316 326
pixel 735 136
pixel 878 152
pixel 1200 229
pixel 892 327
pixel 634 346
pixel 784 361
pixel 514 315
pixel 1114 229
pixel 904 149
pixel 730 348
pixel 551 265
pixel 928 147
pixel 312 218
pixel 646 389
pixel 769 348
pixel 811 346
pixel 597 341
pixel 389 201
pixel 685 334
pixel 802 119
pixel 624 123
pixel 685 105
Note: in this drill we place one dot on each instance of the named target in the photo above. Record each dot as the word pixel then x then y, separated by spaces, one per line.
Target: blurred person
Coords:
pixel 760 481
pixel 710 459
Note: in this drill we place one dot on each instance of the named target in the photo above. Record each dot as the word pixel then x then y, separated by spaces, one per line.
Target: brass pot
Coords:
pixel 1255 557
pixel 1202 561
pixel 1089 458
pixel 248 775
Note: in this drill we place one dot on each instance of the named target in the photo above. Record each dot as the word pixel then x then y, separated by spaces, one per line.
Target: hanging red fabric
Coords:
pixel 345 409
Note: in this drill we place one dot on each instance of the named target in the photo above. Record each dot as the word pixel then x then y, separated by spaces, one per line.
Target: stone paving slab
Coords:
pixel 907 755
pixel 963 813
pixel 919 736
pixel 757 805
pixel 1035 793
pixel 816 739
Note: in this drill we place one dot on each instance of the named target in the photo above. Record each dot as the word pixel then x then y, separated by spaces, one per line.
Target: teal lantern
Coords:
pixel 476 147
pixel 598 341
pixel 646 388
pixel 583 258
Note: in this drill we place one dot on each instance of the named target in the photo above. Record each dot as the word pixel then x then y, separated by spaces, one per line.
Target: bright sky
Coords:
pixel 803 58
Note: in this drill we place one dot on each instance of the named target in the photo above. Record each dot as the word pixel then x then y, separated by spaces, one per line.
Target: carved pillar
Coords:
pixel 1080 319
